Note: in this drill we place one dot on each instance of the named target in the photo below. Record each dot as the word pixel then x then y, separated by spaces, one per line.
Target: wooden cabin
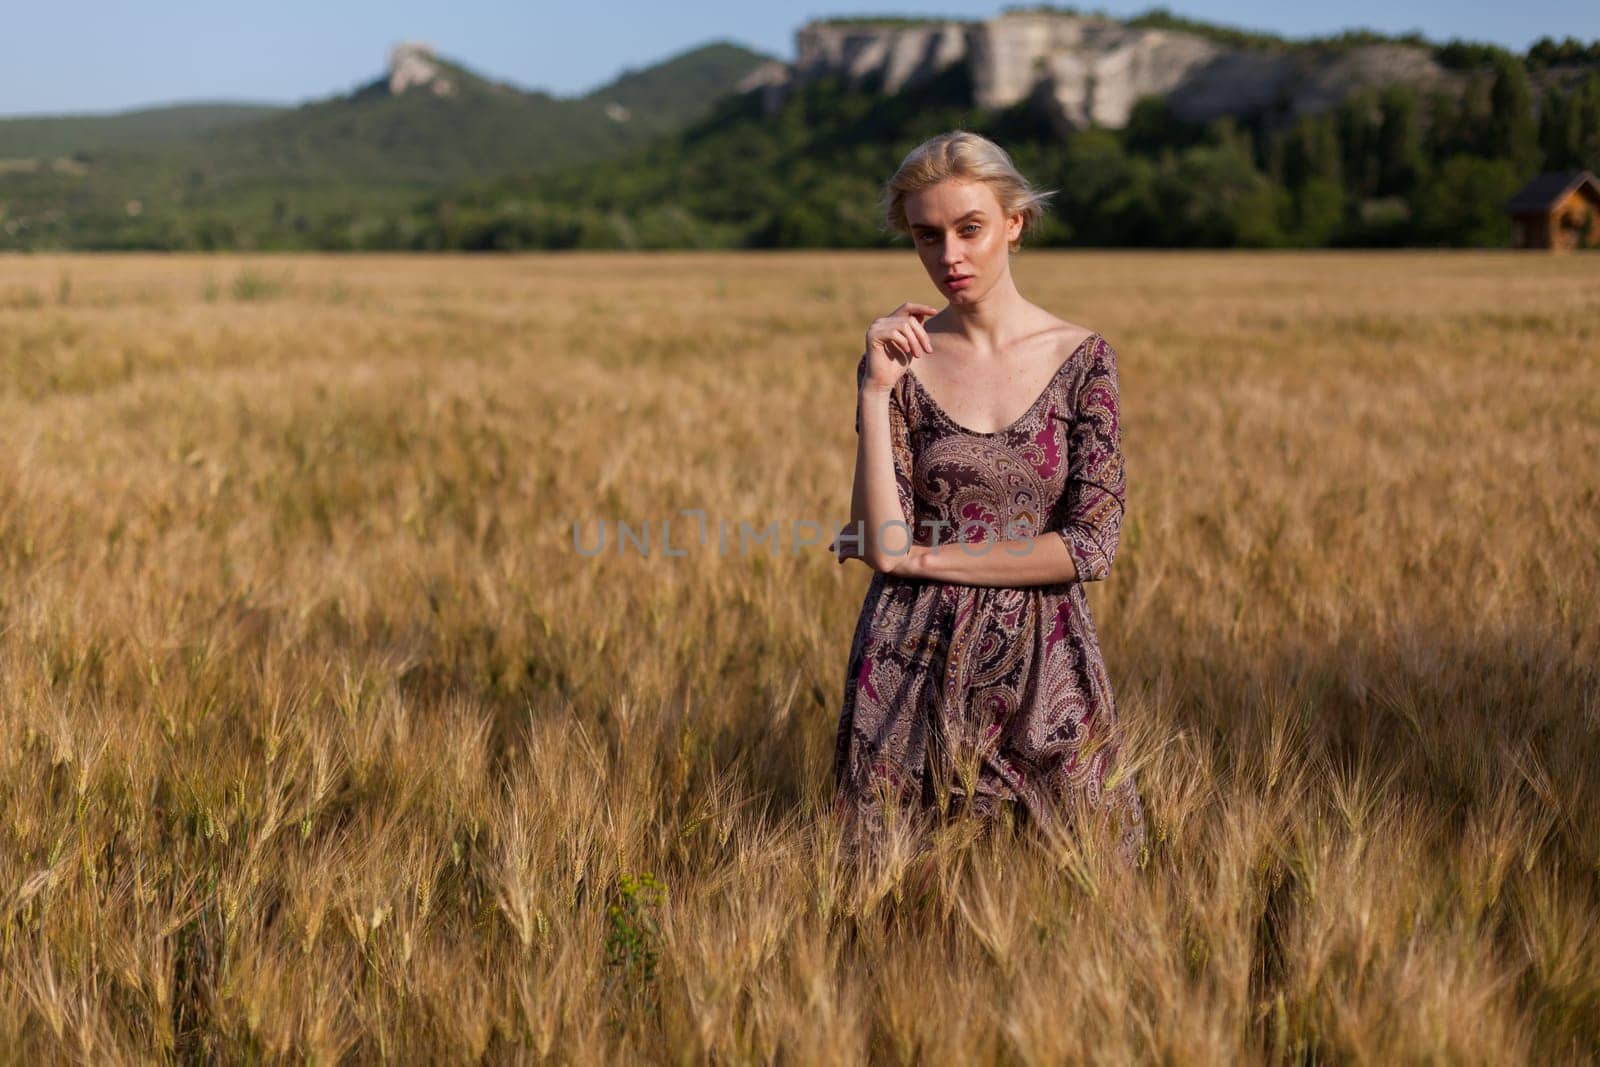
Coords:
pixel 1558 210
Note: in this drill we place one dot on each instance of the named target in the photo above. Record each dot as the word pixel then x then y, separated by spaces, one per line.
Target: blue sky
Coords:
pixel 113 55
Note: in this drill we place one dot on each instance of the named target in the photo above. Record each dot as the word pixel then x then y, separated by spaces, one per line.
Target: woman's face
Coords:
pixel 962 237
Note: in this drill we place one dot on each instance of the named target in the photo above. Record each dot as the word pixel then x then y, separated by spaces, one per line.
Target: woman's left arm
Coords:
pixel 1019 561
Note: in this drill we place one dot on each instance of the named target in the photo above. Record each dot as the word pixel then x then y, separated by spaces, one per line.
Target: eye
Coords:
pixel 970 225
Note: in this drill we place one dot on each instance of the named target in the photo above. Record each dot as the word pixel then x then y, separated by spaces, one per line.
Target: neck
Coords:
pixel 989 324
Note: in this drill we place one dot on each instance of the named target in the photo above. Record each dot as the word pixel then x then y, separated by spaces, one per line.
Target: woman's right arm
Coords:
pixel 881 506
pixel 877 520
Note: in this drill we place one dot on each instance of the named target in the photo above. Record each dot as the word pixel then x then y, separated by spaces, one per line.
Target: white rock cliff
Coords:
pixel 412 64
pixel 1085 70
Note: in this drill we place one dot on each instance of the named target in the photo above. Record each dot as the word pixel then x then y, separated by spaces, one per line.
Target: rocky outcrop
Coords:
pixel 902 55
pixel 771 80
pixel 1085 70
pixel 412 65
pixel 1292 82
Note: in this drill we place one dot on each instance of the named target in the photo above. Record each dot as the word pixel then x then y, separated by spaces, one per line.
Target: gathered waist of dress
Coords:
pixel 905 581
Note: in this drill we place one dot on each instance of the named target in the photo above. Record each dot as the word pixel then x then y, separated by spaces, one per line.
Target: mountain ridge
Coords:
pixel 658 97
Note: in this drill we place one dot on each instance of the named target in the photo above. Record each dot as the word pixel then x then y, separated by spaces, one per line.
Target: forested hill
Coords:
pixel 321 174
pixel 799 163
pixel 42 138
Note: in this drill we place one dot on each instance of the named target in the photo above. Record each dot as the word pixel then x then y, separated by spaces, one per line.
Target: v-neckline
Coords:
pixel 1014 423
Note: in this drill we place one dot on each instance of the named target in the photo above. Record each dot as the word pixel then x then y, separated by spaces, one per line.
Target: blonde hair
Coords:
pixel 963 156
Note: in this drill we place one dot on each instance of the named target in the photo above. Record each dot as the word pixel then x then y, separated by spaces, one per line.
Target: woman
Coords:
pixel 975 674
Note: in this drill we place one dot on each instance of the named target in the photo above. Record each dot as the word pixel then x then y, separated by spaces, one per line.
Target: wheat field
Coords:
pixel 323 741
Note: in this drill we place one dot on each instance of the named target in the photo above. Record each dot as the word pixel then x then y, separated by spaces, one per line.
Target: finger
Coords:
pixel 922 334
pixel 920 310
pixel 914 332
pixel 908 341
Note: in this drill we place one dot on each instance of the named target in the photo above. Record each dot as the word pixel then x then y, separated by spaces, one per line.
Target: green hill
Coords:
pixel 672 94
pixel 311 174
pixel 416 136
pixel 47 137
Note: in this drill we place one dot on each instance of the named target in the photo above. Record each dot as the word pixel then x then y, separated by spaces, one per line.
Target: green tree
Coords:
pixel 1152 128
pixel 1547 52
pixel 1513 133
pixel 1132 211
pixel 1559 132
pixel 797 225
pixel 1308 161
pixel 1400 159
pixel 1459 123
pixel 1095 169
pixel 1228 132
pixel 1586 109
pixel 1461 203
pixel 1213 195
pixel 1358 118
pixel 1310 150
pixel 1318 212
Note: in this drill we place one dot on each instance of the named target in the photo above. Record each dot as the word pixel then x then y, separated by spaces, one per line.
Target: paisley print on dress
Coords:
pixel 982 693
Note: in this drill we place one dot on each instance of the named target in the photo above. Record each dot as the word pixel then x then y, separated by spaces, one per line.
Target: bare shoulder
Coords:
pixel 1068 337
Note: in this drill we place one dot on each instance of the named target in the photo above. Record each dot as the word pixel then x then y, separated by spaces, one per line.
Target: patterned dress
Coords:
pixel 970 695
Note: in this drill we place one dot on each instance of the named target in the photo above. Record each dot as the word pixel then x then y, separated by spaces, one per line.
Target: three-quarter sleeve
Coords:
pixel 1090 519
pixel 899 439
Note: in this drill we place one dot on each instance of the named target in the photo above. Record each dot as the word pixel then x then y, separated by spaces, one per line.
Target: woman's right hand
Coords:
pixel 893 341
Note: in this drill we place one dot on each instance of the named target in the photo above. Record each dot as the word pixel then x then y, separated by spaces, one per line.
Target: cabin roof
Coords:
pixel 1547 190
